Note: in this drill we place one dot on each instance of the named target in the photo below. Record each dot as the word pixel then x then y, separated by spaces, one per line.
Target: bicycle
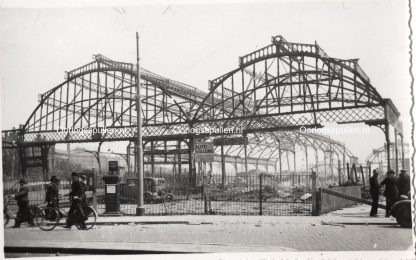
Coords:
pixel 50 217
pixel 8 214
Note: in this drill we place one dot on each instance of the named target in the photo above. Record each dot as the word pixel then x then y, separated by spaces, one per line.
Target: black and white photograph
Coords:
pixel 207 129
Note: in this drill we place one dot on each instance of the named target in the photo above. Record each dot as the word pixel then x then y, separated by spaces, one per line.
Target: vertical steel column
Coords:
pixel 14 158
pixel 331 164
pixel 179 158
pixel 152 157
pixel 306 158
pixel 68 150
pixel 325 170
pixel 343 160
pixel 339 173
pixel 280 163
pixel 223 174
pixel 128 161
pixel 52 159
pixel 190 161
pixel 135 161
pixel 387 134
pixel 315 209
pixel 290 176
pixel 396 151
pixel 402 141
pixel 245 162
pixel 294 167
pixel 140 211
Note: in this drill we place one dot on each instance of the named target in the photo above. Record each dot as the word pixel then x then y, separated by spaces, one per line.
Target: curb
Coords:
pixel 365 224
pixel 85 251
pixel 142 222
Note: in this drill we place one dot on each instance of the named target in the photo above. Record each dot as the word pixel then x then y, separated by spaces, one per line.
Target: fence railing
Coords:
pixel 239 195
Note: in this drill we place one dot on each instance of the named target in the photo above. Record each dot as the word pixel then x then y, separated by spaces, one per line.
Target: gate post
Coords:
pixel 339 173
pixel 261 194
pixel 315 210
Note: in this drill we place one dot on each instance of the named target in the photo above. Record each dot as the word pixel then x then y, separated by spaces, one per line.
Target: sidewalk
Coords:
pixel 349 229
pixel 354 215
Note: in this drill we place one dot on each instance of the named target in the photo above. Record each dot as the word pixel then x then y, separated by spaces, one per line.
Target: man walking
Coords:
pixel 375 193
pixel 76 213
pixel 22 197
pixel 403 183
pixel 391 192
pixel 52 193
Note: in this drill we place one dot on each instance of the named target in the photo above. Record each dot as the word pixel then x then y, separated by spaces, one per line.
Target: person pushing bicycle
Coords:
pixel 52 193
pixel 77 196
pixel 24 214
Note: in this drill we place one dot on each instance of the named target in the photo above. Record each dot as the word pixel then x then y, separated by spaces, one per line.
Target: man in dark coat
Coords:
pixel 391 192
pixel 83 180
pixel 76 213
pixel 24 214
pixel 375 193
pixel 403 183
pixel 52 193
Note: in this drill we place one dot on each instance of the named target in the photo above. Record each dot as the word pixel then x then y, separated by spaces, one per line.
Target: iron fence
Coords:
pixel 170 194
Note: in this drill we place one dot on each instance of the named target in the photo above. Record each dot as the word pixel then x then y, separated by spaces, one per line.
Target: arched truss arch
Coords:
pixel 293 85
pixel 101 95
pixel 268 146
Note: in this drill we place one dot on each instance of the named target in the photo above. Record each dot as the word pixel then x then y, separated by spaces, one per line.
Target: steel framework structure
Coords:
pixel 274 91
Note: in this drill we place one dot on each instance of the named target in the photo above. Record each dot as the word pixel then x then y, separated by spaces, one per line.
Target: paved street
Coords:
pixel 344 230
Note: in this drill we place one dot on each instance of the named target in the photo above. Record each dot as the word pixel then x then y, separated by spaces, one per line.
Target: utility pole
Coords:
pixel 139 144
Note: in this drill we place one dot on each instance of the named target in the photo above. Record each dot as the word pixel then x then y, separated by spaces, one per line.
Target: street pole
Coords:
pixel 139 145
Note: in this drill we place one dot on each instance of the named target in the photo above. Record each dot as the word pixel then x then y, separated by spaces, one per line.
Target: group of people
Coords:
pixel 394 188
pixel 77 196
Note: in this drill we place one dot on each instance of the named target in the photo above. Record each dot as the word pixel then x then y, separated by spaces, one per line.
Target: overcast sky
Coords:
pixel 196 43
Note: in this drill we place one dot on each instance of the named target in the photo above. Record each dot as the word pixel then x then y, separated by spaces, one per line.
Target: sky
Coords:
pixel 196 43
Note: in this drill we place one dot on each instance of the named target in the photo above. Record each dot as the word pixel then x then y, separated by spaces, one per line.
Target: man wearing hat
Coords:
pixel 403 183
pixel 375 193
pixel 391 192
pixel 22 197
pixel 83 180
pixel 52 193
pixel 77 193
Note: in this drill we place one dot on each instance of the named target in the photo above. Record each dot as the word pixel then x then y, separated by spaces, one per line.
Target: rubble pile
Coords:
pixel 239 191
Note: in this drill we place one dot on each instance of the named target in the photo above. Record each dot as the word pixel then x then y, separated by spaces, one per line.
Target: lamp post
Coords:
pixel 139 144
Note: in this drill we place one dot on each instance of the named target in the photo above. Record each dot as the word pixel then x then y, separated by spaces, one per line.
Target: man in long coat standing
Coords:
pixel 375 193
pixel 391 192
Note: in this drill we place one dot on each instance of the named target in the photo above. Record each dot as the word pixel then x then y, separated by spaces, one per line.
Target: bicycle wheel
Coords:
pixel 47 219
pixel 91 214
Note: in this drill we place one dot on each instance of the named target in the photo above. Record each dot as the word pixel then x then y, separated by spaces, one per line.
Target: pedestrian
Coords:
pixel 391 191
pixel 207 186
pixel 375 193
pixel 77 194
pixel 52 193
pixel 83 180
pixel 23 214
pixel 403 183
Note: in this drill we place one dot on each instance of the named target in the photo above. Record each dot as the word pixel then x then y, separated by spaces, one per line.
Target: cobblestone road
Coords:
pixel 235 233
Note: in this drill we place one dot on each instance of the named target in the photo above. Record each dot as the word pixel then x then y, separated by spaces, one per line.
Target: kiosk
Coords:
pixel 111 197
